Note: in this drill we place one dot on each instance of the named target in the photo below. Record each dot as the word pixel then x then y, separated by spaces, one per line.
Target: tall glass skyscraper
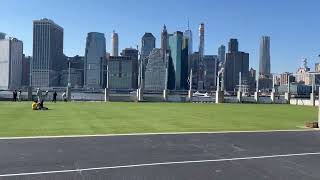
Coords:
pixel 188 34
pixel 178 46
pixel 264 65
pixel 94 60
pixel 47 53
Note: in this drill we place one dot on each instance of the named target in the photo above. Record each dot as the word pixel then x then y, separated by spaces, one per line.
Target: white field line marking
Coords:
pixel 157 164
pixel 146 134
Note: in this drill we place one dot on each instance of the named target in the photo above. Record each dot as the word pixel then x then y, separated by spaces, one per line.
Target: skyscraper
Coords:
pixel 264 65
pixel 115 44
pixel 164 40
pixel 201 38
pixel 201 55
pixel 233 45
pixel 26 64
pixel 188 34
pixel 94 60
pixel 179 54
pixel 122 72
pixel 210 67
pixel 235 63
pixel 222 53
pixel 148 43
pixel 2 35
pixel 133 54
pixel 10 63
pixel 48 57
pixel 156 71
pixel 193 63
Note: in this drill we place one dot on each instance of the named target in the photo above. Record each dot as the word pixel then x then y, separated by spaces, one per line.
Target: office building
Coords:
pixel 286 77
pixel 26 69
pixel 2 35
pixel 148 43
pixel 115 44
pixel 265 77
pixel 48 58
pixel 11 51
pixel 264 63
pixel 76 77
pixel 156 71
pixel 164 40
pixel 178 46
pixel 122 72
pixel 133 54
pixel 201 40
pixel 235 63
pixel 252 80
pixel 94 60
pixel 193 63
pixel 210 71
pixel 222 53
pixel 188 34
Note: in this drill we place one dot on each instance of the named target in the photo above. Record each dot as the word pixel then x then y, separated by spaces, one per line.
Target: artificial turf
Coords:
pixel 17 118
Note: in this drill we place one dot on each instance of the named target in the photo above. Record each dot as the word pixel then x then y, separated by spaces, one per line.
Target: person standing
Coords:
pixel 39 95
pixel 54 97
pixel 19 95
pixel 14 96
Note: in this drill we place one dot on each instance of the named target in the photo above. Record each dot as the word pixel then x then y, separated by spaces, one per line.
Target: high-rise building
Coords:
pixel 317 66
pixel 115 44
pixel 10 63
pixel 76 77
pixel 2 35
pixel 164 40
pixel 48 58
pixel 235 63
pixel 201 40
pixel 233 45
pixel 222 53
pixel 252 80
pixel 26 67
pixel 188 34
pixel 133 54
pixel 156 71
pixel 193 63
pixel 148 43
pixel 264 64
pixel 122 72
pixel 210 71
pixel 178 46
pixel 285 77
pixel 94 60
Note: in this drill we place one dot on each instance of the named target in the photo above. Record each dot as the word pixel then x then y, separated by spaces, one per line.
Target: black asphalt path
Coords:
pixel 58 154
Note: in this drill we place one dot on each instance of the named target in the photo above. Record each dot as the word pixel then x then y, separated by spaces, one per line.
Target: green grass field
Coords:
pixel 17 119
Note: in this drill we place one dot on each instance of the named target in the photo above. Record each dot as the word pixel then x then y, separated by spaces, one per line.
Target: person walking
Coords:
pixel 64 96
pixel 54 97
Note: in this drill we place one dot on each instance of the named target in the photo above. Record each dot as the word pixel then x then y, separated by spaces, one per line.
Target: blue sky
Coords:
pixel 294 25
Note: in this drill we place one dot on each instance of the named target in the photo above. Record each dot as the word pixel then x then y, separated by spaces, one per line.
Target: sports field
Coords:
pixel 17 119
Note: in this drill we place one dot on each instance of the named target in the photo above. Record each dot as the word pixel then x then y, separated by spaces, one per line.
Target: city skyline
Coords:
pixel 291 41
